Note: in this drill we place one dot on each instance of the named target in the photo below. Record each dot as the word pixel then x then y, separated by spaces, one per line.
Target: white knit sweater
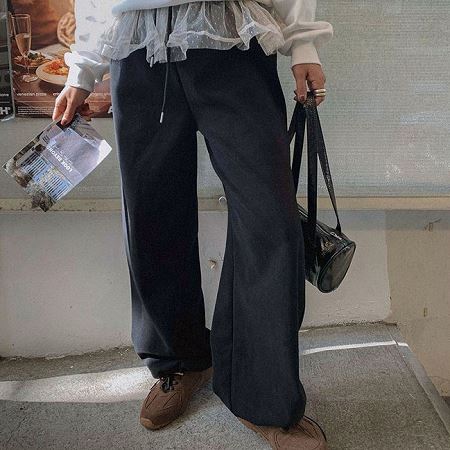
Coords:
pixel 302 36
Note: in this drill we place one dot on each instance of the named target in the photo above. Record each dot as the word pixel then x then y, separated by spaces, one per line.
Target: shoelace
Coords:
pixel 167 382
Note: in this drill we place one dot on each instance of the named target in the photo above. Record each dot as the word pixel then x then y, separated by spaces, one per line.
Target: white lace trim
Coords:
pixel 202 24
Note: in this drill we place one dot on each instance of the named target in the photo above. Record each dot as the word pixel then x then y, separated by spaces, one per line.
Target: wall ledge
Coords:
pixel 219 204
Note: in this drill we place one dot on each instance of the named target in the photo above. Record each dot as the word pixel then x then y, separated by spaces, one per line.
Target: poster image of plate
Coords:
pixel 33 59
pixel 54 71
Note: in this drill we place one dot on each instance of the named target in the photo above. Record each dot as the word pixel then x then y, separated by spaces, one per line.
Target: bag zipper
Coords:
pixel 326 231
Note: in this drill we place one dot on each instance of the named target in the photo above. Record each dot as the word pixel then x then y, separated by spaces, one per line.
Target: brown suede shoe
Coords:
pixel 169 397
pixel 304 435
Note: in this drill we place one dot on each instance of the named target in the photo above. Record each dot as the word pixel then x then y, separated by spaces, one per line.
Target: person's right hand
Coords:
pixel 69 101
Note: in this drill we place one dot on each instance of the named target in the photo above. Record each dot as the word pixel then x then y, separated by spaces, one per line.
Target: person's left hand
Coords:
pixel 311 74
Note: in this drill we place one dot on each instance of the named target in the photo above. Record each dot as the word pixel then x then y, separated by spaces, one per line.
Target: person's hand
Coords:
pixel 310 74
pixel 69 101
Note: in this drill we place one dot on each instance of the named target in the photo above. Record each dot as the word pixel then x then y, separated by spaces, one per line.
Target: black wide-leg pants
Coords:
pixel 234 98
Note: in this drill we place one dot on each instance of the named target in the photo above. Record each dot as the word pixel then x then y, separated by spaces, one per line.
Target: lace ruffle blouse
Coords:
pixel 202 24
pixel 115 28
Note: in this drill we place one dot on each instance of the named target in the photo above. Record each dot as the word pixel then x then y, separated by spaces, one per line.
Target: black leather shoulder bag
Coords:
pixel 328 251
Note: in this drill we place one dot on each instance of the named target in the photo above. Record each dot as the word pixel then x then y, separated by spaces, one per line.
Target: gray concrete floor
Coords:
pixel 363 385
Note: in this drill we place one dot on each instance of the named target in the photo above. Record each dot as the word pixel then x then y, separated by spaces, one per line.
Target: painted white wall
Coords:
pixel 418 245
pixel 65 286
pixel 63 283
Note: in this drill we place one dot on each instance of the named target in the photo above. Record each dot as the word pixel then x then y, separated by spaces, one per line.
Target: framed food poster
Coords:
pixel 6 100
pixel 42 31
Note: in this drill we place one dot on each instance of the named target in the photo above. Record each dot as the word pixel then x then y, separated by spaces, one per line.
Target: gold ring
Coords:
pixel 320 90
pixel 320 94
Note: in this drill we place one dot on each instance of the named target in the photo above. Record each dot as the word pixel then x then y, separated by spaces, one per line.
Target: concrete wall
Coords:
pixel 418 248
pixel 64 284
pixel 65 287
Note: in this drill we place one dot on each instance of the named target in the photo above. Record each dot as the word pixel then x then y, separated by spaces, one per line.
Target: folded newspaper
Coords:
pixel 56 160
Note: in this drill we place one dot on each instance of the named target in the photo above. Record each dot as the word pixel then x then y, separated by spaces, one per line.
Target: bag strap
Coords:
pixel 308 114
pixel 297 128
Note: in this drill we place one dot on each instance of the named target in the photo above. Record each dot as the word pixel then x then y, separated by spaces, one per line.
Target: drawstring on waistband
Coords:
pixel 169 28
